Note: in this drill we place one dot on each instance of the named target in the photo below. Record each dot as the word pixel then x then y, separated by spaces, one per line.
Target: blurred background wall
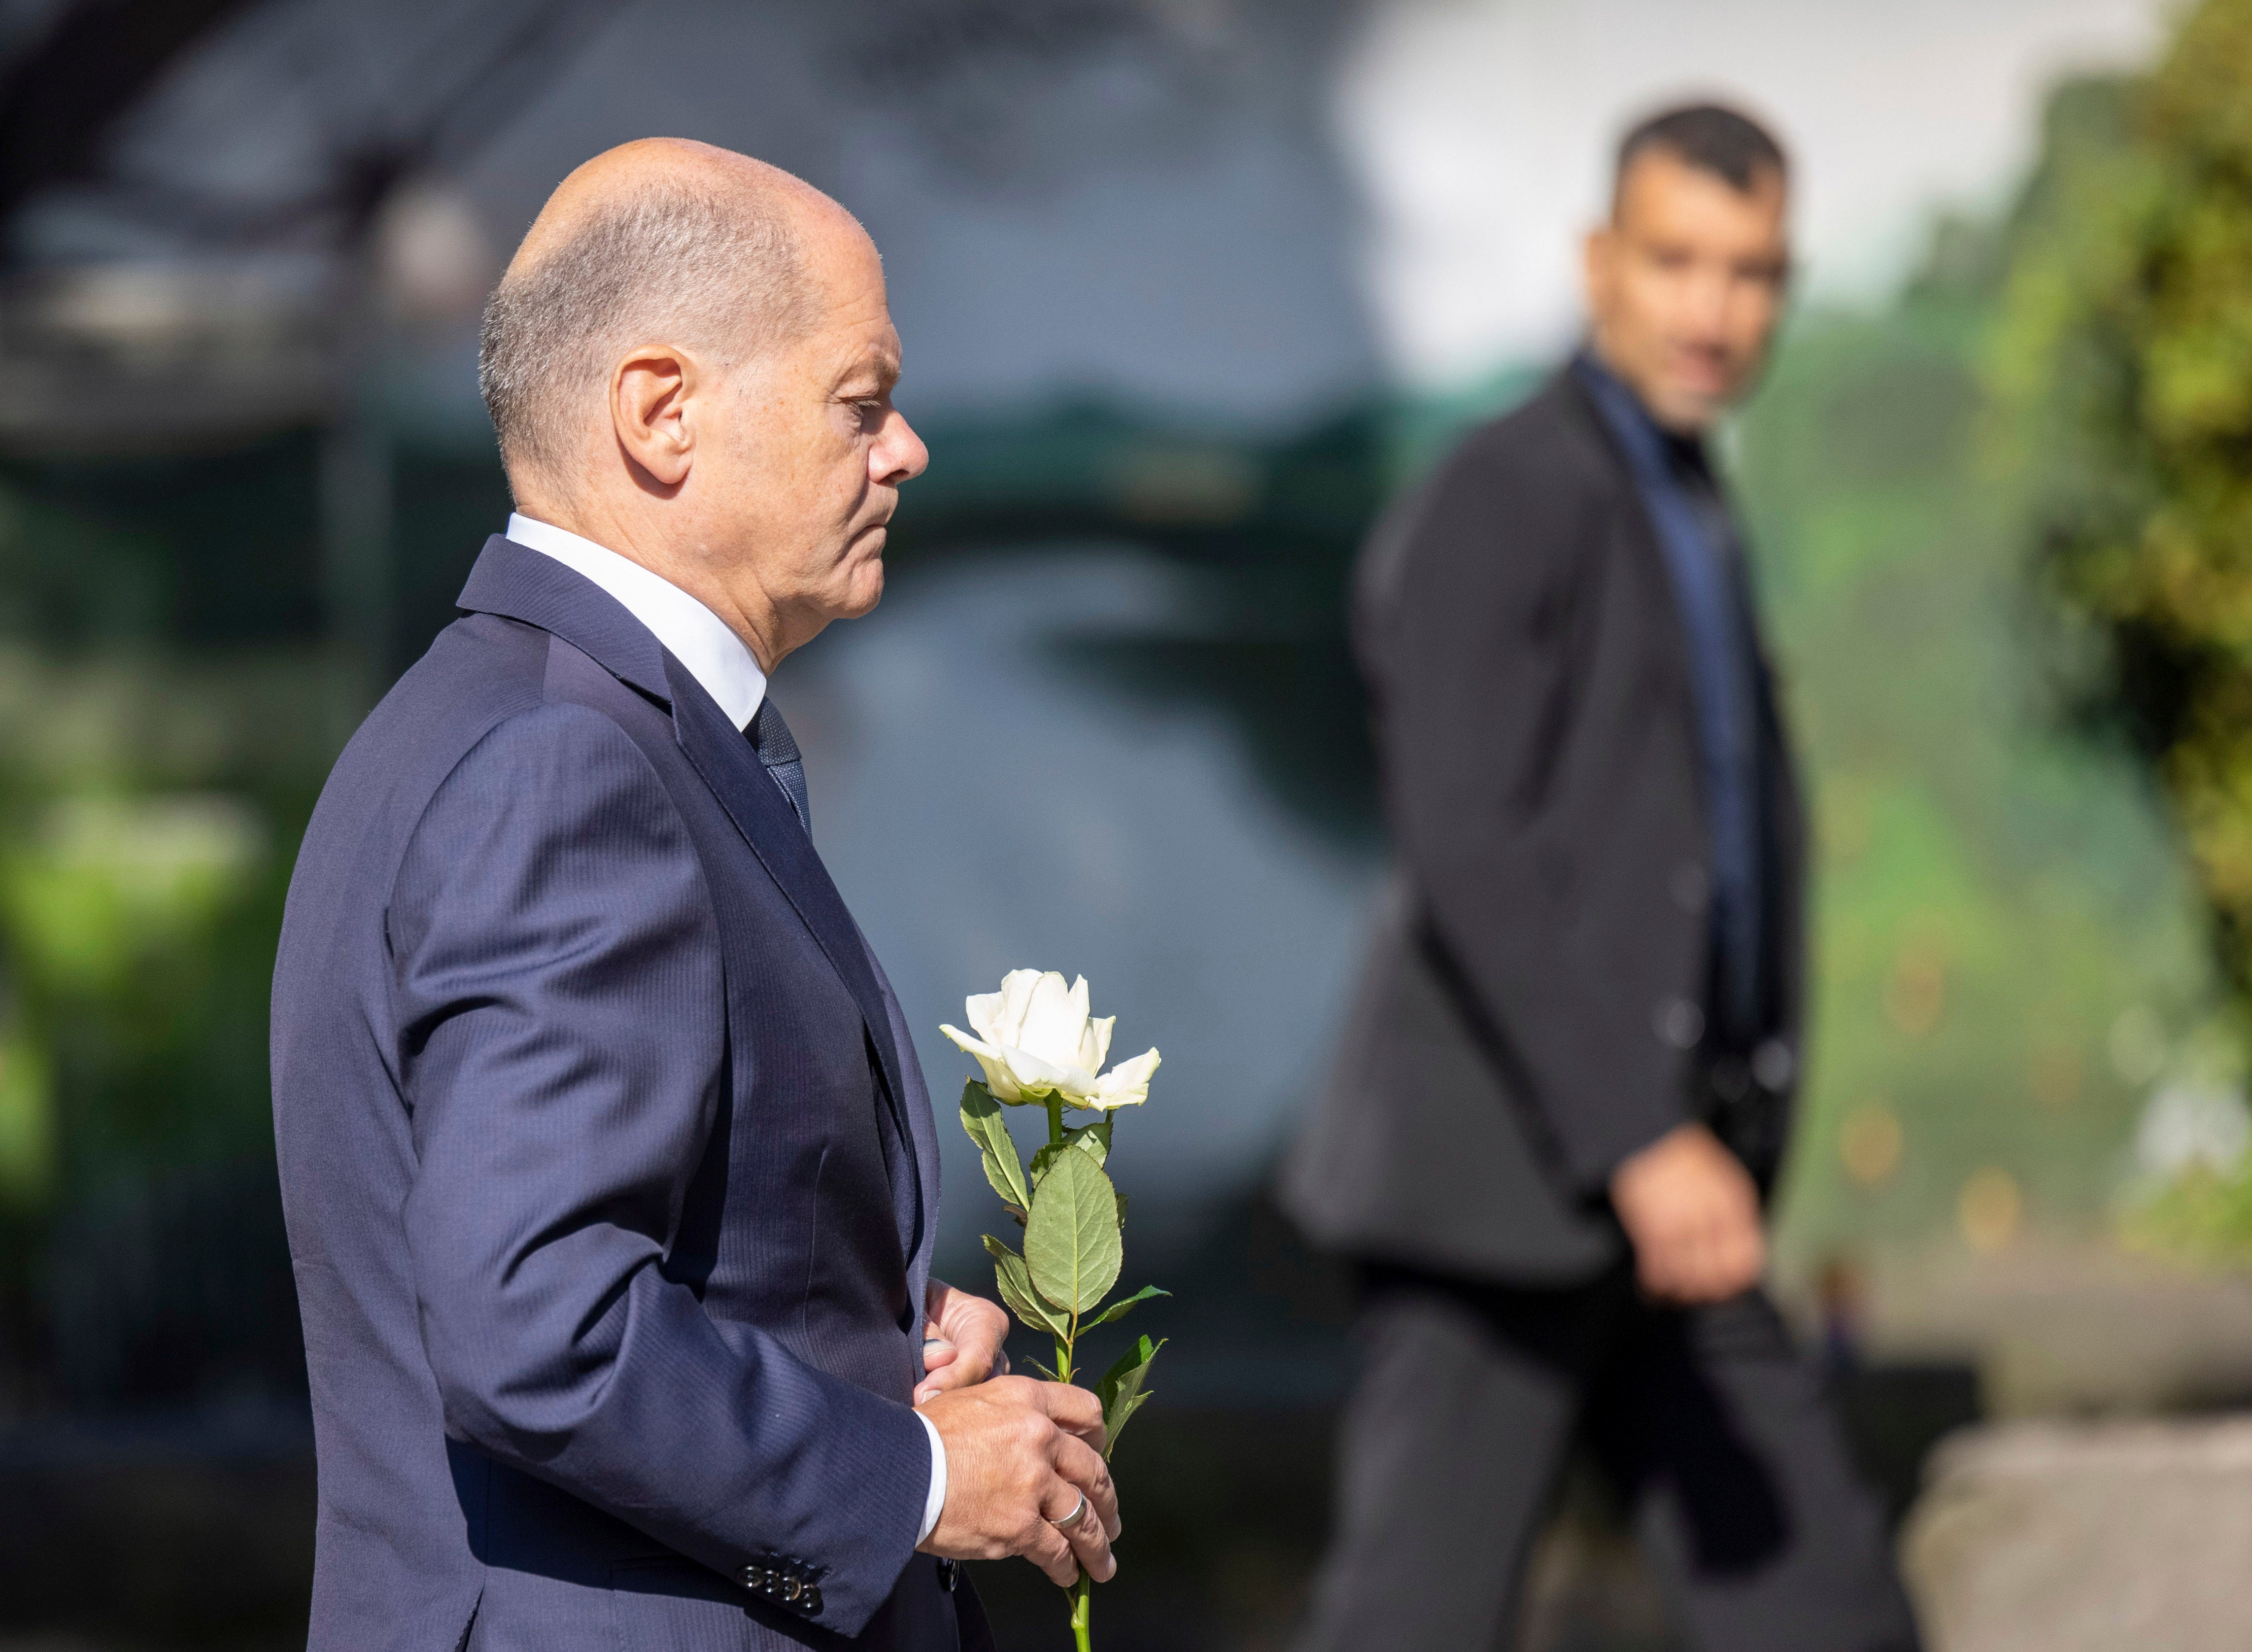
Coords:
pixel 1188 288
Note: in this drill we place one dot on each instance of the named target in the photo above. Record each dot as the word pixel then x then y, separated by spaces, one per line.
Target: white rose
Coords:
pixel 1035 1040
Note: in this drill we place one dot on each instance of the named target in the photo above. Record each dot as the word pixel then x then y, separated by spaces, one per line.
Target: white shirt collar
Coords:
pixel 699 639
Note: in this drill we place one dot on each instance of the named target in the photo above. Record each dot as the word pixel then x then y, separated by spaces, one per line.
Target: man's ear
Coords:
pixel 652 390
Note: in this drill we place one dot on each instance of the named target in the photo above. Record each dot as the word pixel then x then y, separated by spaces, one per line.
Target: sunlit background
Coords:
pixel 1188 289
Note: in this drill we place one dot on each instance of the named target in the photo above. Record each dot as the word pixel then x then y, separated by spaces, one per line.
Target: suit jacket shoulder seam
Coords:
pixel 493 726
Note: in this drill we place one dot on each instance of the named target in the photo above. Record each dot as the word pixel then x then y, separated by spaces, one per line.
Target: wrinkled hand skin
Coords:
pixel 1018 1455
pixel 961 1341
pixel 1690 1208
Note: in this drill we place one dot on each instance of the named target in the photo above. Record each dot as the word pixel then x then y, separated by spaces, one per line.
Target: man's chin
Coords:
pixel 1688 412
pixel 867 590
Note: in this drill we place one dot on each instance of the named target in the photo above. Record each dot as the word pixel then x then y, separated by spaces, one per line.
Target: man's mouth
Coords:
pixel 1704 383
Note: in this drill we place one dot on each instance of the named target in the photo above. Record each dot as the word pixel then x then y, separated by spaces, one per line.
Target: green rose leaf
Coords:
pixel 1094 1138
pixel 1016 1282
pixel 1088 1139
pixel 1120 1390
pixel 1071 1240
pixel 1119 1310
pixel 982 1117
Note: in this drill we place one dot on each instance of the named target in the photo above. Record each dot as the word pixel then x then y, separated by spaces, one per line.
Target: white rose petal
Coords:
pixel 1019 1075
pixel 984 1012
pixel 1127 1085
pixel 1038 1077
pixel 1036 1041
pixel 998 1078
pixel 1095 1043
pixel 1054 1018
pixel 1016 988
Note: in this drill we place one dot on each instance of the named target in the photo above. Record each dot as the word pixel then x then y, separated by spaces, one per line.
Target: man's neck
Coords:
pixel 630 535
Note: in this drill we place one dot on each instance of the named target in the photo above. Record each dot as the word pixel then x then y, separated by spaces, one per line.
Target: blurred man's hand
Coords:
pixel 1690 1210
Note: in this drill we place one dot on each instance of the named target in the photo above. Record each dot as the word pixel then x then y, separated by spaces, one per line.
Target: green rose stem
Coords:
pixel 1082 1604
pixel 1062 1343
pixel 1082 1592
pixel 1029 1033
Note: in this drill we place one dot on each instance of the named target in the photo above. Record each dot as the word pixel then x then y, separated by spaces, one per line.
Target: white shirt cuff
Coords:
pixel 936 1499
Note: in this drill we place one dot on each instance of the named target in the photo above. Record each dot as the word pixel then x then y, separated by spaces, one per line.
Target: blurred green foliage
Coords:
pixel 166 718
pixel 151 787
pixel 141 873
pixel 1995 898
pixel 2124 363
pixel 2122 368
pixel 2202 1216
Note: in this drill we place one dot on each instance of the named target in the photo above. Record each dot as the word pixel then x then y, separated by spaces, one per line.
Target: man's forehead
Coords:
pixel 849 276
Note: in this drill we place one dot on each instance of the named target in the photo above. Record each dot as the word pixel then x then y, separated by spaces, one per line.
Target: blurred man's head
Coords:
pixel 1686 282
pixel 690 362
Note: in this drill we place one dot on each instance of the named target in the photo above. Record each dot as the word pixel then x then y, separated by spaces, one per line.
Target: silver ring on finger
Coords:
pixel 1071 1521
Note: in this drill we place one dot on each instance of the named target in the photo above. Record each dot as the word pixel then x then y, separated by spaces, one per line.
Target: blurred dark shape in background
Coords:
pixel 197 602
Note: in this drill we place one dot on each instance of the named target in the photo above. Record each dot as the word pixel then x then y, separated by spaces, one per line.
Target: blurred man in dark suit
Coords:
pixel 1566 1084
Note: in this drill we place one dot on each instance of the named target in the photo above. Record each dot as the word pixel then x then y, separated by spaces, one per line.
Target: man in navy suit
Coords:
pixel 610 1175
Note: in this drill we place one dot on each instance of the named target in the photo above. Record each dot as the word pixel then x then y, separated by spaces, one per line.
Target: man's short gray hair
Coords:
pixel 671 264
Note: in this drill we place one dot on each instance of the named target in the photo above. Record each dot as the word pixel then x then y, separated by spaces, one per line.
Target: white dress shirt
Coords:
pixel 717 657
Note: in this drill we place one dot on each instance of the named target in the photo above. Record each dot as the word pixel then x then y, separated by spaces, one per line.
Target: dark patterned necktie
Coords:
pixel 777 749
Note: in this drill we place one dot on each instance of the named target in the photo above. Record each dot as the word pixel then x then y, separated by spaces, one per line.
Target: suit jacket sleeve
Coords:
pixel 1476 592
pixel 557 967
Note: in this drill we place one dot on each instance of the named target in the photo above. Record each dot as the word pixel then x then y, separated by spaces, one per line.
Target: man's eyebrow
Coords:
pixel 883 365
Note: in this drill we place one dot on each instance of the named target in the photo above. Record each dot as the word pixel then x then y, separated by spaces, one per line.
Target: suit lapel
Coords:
pixel 519 583
pixel 763 815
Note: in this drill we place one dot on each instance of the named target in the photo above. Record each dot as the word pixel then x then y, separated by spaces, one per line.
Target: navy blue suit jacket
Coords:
pixel 610 1173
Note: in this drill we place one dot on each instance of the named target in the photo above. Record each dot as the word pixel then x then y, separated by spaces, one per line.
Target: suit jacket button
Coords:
pixel 947 1575
pixel 1680 1023
pixel 812 1600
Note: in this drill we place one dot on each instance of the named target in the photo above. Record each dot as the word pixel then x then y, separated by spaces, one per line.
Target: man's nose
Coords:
pixel 899 455
pixel 1705 314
